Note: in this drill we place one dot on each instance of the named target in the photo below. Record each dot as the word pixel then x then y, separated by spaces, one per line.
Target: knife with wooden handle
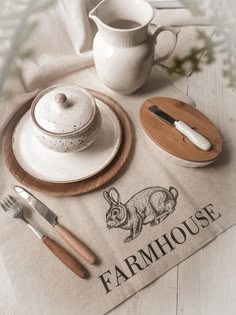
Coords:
pixel 51 217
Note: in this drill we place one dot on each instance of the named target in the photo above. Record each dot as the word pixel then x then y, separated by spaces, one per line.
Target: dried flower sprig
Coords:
pixel 223 16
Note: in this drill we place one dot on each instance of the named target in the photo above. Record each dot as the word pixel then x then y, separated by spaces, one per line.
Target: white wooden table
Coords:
pixel 205 283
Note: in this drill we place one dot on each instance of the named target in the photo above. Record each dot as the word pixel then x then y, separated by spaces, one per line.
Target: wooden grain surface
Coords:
pixel 75 188
pixel 66 258
pixel 79 247
pixel 172 141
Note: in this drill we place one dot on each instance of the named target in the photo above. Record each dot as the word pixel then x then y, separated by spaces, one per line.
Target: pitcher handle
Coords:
pixel 175 33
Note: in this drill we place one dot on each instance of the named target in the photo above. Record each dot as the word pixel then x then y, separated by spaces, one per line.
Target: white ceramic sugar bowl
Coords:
pixel 66 118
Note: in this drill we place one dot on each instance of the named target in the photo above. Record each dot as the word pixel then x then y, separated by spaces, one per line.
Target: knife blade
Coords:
pixel 52 218
pixel 195 137
pixel 37 205
pixel 162 115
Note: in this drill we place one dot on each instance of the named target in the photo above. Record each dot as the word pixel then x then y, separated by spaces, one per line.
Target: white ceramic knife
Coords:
pixel 195 137
pixel 51 217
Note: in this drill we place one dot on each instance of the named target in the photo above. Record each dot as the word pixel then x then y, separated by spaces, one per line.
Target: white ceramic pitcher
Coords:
pixel 124 46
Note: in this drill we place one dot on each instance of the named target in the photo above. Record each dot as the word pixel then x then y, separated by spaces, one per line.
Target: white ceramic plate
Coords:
pixel 56 167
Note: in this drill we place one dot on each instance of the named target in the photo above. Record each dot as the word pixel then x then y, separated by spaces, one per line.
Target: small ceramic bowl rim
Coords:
pixel 61 134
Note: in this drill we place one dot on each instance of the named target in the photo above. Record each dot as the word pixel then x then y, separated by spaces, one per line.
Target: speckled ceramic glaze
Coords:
pixel 66 118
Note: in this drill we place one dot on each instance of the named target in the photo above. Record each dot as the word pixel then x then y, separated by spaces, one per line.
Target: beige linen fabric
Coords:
pixel 41 284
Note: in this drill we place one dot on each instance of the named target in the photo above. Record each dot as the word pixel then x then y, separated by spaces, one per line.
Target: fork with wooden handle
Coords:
pixel 80 248
pixel 14 210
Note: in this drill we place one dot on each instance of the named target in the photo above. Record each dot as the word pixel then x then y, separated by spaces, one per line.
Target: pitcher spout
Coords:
pixel 125 15
pixel 93 16
pixel 123 47
pixel 96 16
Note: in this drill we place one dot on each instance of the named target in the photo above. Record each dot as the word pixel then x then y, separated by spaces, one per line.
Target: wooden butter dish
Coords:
pixel 170 142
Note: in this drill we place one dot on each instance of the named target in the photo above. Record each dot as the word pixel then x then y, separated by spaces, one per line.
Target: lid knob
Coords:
pixel 60 98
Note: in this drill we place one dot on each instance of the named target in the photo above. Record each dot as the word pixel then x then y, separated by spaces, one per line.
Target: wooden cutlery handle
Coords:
pixel 64 257
pixel 76 244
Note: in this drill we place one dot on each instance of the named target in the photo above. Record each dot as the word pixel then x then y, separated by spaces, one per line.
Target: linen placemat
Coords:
pixel 202 205
pixel 136 249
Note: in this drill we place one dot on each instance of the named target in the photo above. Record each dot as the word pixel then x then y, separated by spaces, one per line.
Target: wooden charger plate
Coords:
pixel 75 188
pixel 171 141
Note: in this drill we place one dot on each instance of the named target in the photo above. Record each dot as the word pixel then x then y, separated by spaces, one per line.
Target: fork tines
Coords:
pixel 7 202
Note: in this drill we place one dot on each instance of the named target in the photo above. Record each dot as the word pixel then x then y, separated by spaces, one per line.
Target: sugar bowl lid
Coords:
pixel 63 109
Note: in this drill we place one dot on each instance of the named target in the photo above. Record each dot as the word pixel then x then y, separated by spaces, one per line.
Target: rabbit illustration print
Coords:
pixel 149 206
